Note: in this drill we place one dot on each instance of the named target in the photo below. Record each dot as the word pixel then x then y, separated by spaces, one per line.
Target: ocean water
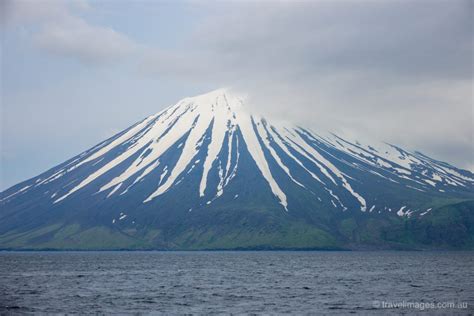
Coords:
pixel 237 282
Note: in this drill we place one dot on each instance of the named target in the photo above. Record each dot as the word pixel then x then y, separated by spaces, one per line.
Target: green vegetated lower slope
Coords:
pixel 448 226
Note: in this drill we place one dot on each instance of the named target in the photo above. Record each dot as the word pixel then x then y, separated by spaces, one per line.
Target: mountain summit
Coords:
pixel 206 174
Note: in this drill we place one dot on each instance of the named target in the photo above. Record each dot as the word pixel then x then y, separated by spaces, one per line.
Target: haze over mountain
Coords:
pixel 206 173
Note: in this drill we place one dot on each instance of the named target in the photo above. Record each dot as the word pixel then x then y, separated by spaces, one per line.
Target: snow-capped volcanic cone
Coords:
pixel 205 173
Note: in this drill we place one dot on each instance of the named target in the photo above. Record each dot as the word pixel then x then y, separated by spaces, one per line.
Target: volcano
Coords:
pixel 205 173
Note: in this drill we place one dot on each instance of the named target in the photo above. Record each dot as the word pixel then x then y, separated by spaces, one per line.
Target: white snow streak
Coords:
pixel 265 138
pixel 222 116
pixel 250 138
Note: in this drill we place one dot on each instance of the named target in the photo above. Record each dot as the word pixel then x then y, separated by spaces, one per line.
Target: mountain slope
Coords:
pixel 205 173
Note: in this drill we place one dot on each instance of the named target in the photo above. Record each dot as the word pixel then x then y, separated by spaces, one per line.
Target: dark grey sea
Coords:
pixel 222 282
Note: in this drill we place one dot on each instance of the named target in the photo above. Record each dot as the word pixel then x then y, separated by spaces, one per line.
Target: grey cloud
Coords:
pixel 55 28
pixel 84 42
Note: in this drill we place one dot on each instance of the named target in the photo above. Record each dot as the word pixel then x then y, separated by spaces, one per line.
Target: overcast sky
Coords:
pixel 76 72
